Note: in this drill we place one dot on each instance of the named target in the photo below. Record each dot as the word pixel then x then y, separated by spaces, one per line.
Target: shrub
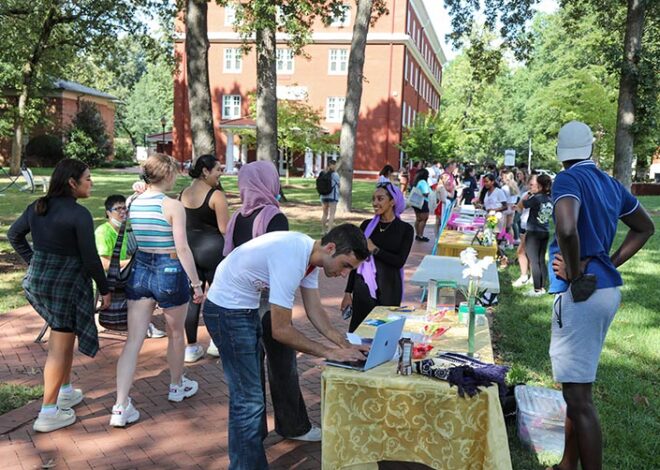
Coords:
pixel 87 139
pixel 44 150
pixel 124 152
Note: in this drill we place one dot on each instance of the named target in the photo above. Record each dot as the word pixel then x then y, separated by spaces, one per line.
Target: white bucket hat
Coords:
pixel 574 142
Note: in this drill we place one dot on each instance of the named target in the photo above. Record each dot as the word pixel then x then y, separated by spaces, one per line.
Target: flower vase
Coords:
pixel 488 236
pixel 471 323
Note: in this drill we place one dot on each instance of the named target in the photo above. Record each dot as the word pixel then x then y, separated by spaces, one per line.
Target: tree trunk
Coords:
pixel 197 77
pixel 266 87
pixel 624 140
pixel 28 73
pixel 352 104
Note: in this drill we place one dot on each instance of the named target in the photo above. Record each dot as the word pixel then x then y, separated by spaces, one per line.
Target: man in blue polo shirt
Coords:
pixel 588 204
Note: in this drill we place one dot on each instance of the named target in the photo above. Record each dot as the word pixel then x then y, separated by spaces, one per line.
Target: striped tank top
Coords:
pixel 152 231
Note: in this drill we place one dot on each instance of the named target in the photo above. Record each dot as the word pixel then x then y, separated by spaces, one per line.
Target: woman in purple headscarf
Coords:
pixel 259 185
pixel 379 280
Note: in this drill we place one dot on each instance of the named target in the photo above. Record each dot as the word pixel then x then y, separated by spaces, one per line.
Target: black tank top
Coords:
pixel 202 217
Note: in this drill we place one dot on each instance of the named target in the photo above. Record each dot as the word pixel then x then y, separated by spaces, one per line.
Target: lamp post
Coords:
pixel 431 131
pixel 163 121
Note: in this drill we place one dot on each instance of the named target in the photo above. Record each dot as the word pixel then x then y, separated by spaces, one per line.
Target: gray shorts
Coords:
pixel 578 334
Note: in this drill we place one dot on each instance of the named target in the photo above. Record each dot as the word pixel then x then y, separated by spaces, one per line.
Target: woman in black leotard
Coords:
pixel 206 221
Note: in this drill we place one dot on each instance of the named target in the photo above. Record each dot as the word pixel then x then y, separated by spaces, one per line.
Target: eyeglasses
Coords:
pixel 383 184
pixel 118 209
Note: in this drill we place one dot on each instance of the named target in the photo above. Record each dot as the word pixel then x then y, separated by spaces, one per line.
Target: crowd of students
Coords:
pixel 247 268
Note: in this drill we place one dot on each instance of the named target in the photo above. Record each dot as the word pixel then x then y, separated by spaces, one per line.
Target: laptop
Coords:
pixel 383 347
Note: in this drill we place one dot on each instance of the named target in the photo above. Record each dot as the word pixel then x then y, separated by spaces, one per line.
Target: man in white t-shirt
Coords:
pixel 281 262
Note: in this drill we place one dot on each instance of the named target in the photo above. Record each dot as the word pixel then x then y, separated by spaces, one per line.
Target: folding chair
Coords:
pixel 32 182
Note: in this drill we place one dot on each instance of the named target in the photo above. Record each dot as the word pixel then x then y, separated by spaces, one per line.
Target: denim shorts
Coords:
pixel 159 277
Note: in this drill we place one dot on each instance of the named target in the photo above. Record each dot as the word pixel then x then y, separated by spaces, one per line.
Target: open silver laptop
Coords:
pixel 382 349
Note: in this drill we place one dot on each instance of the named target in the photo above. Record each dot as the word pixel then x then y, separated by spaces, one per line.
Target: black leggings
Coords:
pixel 536 244
pixel 207 249
pixel 192 317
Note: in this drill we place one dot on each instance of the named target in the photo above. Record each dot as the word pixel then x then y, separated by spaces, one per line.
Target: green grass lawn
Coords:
pixel 627 388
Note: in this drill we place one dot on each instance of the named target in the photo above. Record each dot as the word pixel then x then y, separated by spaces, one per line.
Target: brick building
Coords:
pixel 403 72
pixel 62 104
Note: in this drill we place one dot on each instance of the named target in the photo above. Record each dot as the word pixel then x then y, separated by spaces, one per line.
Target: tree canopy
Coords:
pixel 569 74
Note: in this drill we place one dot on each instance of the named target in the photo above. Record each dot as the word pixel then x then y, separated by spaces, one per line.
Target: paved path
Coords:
pixel 191 434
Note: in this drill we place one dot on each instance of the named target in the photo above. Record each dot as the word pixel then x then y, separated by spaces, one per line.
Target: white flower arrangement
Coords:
pixel 475 267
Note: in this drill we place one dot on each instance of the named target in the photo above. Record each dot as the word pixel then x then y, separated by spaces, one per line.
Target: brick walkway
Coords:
pixel 190 434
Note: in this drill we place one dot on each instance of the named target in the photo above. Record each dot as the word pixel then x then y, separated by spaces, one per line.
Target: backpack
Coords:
pixel 324 184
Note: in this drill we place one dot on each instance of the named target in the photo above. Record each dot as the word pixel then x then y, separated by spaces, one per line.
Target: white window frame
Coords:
pixel 403 114
pixel 334 108
pixel 230 14
pixel 231 106
pixel 344 20
pixel 340 59
pixel 233 56
pixel 285 61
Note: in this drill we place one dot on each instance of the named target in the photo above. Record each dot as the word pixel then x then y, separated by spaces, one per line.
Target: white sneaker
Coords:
pixel 212 350
pixel 313 435
pixel 186 389
pixel 522 281
pixel 71 399
pixel 194 353
pixel 535 293
pixel 153 332
pixel 122 416
pixel 62 418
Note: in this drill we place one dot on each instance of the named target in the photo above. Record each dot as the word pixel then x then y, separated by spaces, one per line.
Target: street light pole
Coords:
pixel 431 130
pixel 163 122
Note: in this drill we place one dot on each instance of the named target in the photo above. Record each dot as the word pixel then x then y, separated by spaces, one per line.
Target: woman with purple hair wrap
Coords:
pixel 379 280
pixel 259 186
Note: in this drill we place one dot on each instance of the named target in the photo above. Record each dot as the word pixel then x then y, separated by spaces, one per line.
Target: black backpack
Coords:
pixel 324 183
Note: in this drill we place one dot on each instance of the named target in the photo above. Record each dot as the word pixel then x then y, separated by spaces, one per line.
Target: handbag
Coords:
pixel 115 317
pixel 416 198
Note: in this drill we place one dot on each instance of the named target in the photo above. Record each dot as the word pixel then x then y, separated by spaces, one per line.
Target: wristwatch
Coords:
pixel 375 251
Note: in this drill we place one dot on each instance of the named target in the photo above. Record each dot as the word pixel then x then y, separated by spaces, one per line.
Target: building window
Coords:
pixel 405 67
pixel 338 63
pixel 403 114
pixel 231 106
pixel 334 109
pixel 343 19
pixel 230 14
pixel 285 61
pixel 233 60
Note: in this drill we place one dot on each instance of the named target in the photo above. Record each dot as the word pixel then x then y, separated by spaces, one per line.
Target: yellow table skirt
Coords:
pixel 378 415
pixel 452 242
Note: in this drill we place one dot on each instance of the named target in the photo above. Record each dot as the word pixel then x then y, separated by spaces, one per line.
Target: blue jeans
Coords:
pixel 160 277
pixel 237 334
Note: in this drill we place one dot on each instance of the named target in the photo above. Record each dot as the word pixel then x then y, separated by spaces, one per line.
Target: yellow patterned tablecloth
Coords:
pixel 452 242
pixel 378 415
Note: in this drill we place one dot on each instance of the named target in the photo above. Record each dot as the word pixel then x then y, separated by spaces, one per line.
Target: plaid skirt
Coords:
pixel 60 290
